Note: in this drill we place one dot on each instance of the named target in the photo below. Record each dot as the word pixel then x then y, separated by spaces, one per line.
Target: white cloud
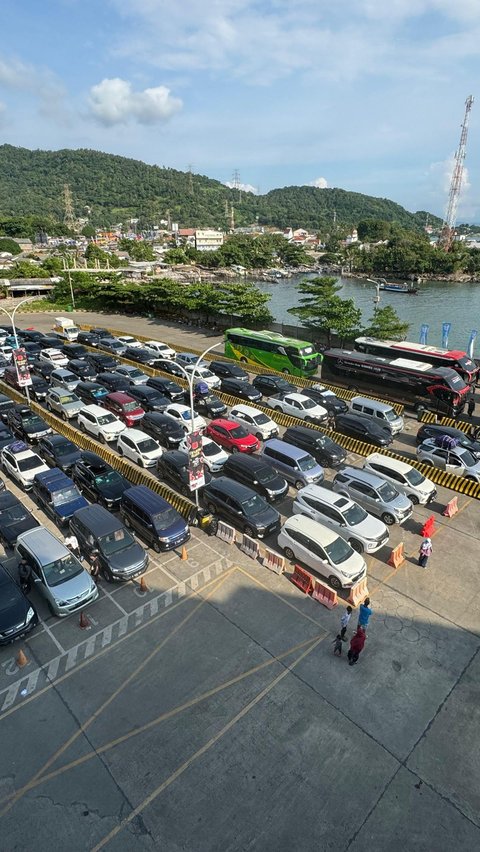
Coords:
pixel 244 187
pixel 320 183
pixel 40 83
pixel 113 101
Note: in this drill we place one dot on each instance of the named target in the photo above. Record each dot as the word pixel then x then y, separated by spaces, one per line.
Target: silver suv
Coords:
pixel 376 495
pixel 362 531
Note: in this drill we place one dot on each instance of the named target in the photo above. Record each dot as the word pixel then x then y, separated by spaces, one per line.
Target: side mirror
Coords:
pixel 37 580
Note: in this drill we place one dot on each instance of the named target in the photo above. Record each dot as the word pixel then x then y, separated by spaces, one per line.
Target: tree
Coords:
pixel 321 309
pixel 387 325
pixel 373 230
pixel 9 245
pixel 88 231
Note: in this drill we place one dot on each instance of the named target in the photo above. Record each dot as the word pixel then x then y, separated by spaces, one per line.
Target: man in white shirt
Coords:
pixel 344 622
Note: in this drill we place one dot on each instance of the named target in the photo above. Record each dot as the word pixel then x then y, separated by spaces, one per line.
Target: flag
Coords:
pixel 424 333
pixel 446 326
pixel 471 342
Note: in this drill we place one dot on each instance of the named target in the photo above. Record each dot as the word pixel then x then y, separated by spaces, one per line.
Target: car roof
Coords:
pixel 53 351
pixel 46 546
pixel 311 528
pixel 98 519
pixel 147 499
pixel 8 499
pixel 395 464
pixel 232 488
pixel 373 479
pixel 306 431
pixel 283 447
pixel 331 498
pixel 98 410
pixel 54 479
pixel 222 421
pixel 247 460
pixel 92 460
pixel 57 439
pixel 245 409
pixel 135 434
pixel 179 458
pixel 120 396
pixel 296 395
pixel 372 403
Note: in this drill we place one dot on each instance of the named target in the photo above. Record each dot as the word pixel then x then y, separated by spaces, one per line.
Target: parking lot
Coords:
pixel 209 713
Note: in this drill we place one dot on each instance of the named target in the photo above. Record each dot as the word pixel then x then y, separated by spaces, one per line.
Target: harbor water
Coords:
pixel 436 302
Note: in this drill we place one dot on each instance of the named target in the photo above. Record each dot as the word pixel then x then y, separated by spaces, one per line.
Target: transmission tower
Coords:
pixel 68 214
pixel 236 183
pixel 232 217
pixel 446 237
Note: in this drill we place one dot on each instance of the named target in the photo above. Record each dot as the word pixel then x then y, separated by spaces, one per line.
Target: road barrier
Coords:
pixel 302 579
pixel 451 508
pixel 324 595
pixel 226 533
pixel 250 547
pixel 429 417
pixel 397 556
pixel 429 527
pixel 358 592
pixel 274 562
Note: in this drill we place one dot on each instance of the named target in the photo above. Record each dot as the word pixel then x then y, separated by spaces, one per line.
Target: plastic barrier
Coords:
pixel 250 547
pixel 226 533
pixel 325 595
pixel 397 556
pixel 358 592
pixel 302 579
pixel 274 562
pixel 429 527
pixel 451 508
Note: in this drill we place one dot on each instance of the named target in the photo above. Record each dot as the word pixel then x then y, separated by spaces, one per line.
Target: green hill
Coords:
pixel 117 188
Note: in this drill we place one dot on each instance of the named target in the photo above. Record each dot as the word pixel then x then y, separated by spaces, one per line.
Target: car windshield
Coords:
pixel 306 463
pixel 414 477
pixel 165 519
pixel 130 406
pixel 32 422
pixel 147 446
pixel 390 416
pixel 105 419
pixel 134 374
pixel 69 397
pixel 265 475
pixel 338 551
pixel 113 542
pixel 69 377
pixel 116 344
pixel 109 478
pixel 64 448
pixel 211 449
pixel 62 569
pixel 253 505
pixel 13 515
pixel 98 392
pixel 355 515
pixel 308 403
pixel 66 495
pixel 467 458
pixel 261 419
pixel 238 432
pixel 29 463
pixel 387 492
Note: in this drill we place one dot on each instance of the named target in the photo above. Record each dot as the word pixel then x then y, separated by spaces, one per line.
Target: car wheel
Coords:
pixel 259 436
pixel 388 519
pixel 243 361
pixel 414 499
pixel 356 545
pixel 428 462
pixel 107 575
pixel 299 484
pixel 289 554
pixel 82 428
pixel 101 437
pixel 249 531
pixel 235 450
pixel 211 508
pixel 308 419
pixel 156 547
pixel 49 407
pixel 277 408
pixel 120 450
pixel 334 582
pixel 185 490
pixel 140 462
pixel 64 417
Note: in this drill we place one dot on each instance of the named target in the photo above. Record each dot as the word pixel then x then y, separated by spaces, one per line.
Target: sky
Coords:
pixel 366 95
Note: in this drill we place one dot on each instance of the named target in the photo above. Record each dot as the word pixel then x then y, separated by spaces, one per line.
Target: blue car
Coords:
pixel 57 495
pixel 153 518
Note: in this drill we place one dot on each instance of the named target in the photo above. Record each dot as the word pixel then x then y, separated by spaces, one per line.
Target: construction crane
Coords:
pixel 446 237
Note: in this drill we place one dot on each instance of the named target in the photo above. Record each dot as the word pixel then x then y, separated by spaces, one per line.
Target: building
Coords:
pixel 208 240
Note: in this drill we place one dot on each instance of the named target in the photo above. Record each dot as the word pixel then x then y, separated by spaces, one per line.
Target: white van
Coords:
pixel 406 478
pixel 381 412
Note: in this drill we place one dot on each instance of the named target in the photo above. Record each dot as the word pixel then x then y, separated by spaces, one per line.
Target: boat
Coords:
pixel 390 287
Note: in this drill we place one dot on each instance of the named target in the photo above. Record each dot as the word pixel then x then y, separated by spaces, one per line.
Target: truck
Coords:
pixel 66 328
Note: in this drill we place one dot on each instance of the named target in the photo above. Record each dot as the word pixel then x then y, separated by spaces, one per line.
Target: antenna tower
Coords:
pixel 237 184
pixel 68 214
pixel 446 237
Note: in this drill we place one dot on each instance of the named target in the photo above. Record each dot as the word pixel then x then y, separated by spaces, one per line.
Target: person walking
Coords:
pixel 71 541
pixel 344 622
pixel 331 422
pixel 337 645
pixel 356 646
pixel 364 614
pixel 471 403
pixel 426 550
pixel 25 576
pixel 94 565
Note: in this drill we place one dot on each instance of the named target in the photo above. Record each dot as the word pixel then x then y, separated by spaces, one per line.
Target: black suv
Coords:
pixel 327 399
pixel 149 398
pixel 208 405
pixel 242 390
pixel 364 429
pixel 241 507
pixel 58 451
pixel 258 474
pixel 166 387
pixel 6 437
pixel 83 369
pixel 91 392
pixel 163 428
pixel 74 350
pixel 226 370
pixel 173 468
pixel 268 384
pixel 99 481
pixel 38 388
pixel 17 615
pixel 42 369
pixel 140 356
pixel 168 367
pixel 433 430
pixel 14 519
pixel 25 424
pixel 87 338
pixel 100 361
pixel 320 446
pixel 119 555
pixel 113 381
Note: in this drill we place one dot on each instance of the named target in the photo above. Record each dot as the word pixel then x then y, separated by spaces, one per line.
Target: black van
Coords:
pixel 242 507
pixel 320 446
pixel 257 474
pixel 120 556
pixel 153 518
pixel 164 429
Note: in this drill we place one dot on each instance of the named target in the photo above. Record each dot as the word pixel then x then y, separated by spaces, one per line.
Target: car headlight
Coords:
pixel 30 614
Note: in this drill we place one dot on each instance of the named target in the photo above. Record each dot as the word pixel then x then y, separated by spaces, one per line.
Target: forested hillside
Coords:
pixel 116 188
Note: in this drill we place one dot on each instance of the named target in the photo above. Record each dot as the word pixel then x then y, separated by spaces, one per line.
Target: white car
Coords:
pixel 100 423
pixel 21 463
pixel 406 479
pixel 129 342
pixel 181 414
pixel 457 460
pixel 214 457
pixel 255 421
pixel 298 405
pixel 160 349
pixel 53 356
pixel 139 447
pixel 203 374
pixel 6 352
pixel 133 374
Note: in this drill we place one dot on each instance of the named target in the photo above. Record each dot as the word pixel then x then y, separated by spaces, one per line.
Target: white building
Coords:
pixel 208 240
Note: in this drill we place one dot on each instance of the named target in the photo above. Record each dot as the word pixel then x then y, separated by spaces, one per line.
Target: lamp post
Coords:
pixel 190 379
pixel 11 317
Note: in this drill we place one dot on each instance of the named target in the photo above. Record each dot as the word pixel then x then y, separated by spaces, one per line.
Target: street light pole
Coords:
pixel 11 317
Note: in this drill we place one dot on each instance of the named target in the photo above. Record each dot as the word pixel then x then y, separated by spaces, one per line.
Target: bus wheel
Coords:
pixel 243 361
pixel 287 372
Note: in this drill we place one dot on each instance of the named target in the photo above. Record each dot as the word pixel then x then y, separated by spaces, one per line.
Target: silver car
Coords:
pixel 112 345
pixel 458 460
pixel 133 374
pixel 376 495
pixel 63 378
pixel 64 403
pixel 61 578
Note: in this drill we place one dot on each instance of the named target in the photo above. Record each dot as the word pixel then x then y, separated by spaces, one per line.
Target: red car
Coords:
pixel 125 407
pixel 232 436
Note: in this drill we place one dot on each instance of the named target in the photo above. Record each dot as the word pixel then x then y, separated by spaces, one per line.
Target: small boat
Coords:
pixel 390 287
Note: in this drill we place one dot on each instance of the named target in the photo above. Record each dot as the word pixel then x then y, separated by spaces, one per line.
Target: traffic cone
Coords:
pixel 143 585
pixel 184 554
pixel 21 659
pixel 84 622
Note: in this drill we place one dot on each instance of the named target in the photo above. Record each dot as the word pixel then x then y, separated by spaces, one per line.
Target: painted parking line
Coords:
pixel 64 662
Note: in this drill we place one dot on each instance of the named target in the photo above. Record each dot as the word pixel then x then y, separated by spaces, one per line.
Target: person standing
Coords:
pixel 71 541
pixel 337 645
pixel 356 646
pixel 364 614
pixel 344 622
pixel 471 403
pixel 331 422
pixel 426 550
pixel 25 576
pixel 94 565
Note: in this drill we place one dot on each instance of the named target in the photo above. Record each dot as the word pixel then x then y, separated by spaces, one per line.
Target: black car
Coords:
pixel 26 424
pixel 113 381
pixel 42 369
pixel 327 399
pixel 242 390
pixel 17 615
pixel 100 332
pixel 434 430
pixel 74 350
pixel 87 338
pixel 168 367
pixel 14 519
pixel 258 474
pixel 83 369
pixel 6 403
pixel 364 429
pixel 172 467
pixel 167 388
pixel 29 334
pixel 149 398
pixel 140 356
pixel 52 341
pixel 325 451
pixel 6 437
pixel 208 406
pixel 242 507
pixel 228 370
pixel 39 388
pixel 32 350
pixel 101 362
pixel 58 451
pixel 99 481
pixel 268 384
pixel 91 392
pixel 163 428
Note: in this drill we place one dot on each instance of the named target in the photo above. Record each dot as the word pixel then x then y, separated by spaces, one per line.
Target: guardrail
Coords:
pixel 429 417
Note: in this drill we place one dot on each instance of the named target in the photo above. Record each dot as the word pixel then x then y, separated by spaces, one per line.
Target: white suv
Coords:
pixel 255 421
pixel 21 463
pixel 139 447
pixel 298 405
pixel 100 423
pixel 182 415
pixel 160 349
pixel 407 479
pixel 53 356
pixel 203 374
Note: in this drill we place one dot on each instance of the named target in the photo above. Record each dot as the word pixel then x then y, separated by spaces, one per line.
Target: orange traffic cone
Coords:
pixel 184 554
pixel 84 622
pixel 143 585
pixel 21 659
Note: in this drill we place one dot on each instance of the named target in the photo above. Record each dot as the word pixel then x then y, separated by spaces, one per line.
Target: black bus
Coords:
pixel 400 379
pixel 456 359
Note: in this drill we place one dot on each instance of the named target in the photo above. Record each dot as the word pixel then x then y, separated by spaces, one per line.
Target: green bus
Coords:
pixel 269 349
